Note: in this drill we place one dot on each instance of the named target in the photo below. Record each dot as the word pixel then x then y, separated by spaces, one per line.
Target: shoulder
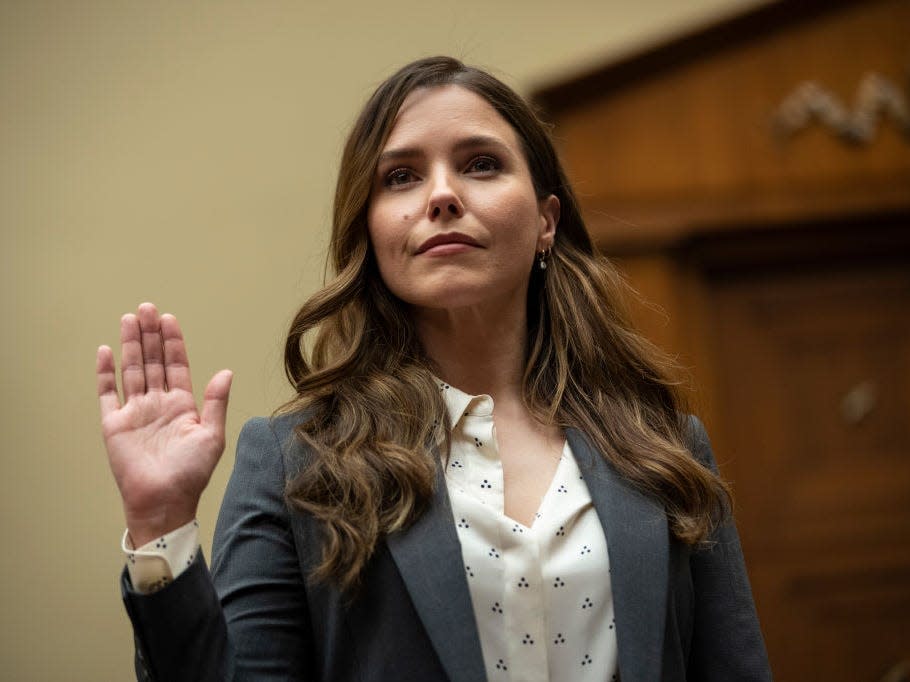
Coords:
pixel 279 426
pixel 698 443
pixel 262 440
pixel 695 431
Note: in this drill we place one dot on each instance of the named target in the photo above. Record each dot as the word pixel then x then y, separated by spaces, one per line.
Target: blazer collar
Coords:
pixel 638 545
pixel 428 556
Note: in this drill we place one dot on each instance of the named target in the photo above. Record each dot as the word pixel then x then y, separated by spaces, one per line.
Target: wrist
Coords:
pixel 143 528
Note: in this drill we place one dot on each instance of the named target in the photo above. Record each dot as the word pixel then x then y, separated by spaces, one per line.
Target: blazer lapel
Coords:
pixel 428 556
pixel 638 545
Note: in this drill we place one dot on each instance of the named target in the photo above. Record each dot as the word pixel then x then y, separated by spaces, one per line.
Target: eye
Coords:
pixel 399 176
pixel 483 165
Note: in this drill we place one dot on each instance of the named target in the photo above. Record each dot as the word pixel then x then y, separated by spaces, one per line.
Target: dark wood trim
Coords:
pixel 736 31
pixel 853 242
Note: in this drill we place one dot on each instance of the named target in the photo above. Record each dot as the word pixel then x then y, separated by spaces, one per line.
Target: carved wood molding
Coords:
pixel 877 98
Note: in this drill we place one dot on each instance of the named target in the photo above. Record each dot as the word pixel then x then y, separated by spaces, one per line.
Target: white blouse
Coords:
pixel 541 595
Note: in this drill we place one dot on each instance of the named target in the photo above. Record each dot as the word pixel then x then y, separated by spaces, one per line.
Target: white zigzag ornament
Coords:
pixel 876 98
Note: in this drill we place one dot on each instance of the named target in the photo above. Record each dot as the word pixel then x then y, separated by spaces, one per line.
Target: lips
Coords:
pixel 447 238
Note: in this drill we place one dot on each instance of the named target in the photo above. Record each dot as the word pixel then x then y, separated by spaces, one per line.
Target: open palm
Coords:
pixel 162 450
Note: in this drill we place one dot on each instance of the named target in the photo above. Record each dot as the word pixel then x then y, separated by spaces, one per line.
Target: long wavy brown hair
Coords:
pixel 373 413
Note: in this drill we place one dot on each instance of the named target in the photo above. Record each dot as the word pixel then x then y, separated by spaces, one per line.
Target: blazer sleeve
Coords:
pixel 727 643
pixel 247 619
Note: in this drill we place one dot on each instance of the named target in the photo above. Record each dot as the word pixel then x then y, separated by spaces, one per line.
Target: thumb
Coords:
pixel 215 401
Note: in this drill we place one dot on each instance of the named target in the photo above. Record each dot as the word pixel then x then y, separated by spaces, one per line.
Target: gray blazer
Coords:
pixel 681 614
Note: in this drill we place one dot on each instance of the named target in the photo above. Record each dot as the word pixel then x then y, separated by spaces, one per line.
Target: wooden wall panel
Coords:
pixel 815 367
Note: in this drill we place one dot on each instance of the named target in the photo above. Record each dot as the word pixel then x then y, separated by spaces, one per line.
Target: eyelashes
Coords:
pixel 484 164
pixel 399 176
pixel 481 165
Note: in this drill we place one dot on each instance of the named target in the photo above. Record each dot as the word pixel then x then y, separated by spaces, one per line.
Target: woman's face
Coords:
pixel 453 217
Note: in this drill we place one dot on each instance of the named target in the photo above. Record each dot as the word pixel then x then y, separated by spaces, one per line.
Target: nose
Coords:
pixel 444 201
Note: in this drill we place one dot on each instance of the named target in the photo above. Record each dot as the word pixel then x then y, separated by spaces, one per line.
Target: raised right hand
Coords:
pixel 162 450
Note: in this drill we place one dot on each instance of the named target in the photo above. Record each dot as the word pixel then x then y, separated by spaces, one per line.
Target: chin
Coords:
pixel 453 294
pixel 445 300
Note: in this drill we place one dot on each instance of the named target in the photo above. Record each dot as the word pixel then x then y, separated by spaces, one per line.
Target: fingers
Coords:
pixel 176 363
pixel 215 401
pixel 154 358
pixel 152 350
pixel 132 371
pixel 107 381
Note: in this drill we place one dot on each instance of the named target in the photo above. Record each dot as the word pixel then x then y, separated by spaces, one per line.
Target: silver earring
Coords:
pixel 542 257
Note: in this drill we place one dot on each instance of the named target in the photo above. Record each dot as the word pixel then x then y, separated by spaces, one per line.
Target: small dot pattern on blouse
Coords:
pixel 158 562
pixel 541 595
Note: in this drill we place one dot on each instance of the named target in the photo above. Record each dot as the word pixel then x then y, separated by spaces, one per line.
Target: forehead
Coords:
pixel 432 114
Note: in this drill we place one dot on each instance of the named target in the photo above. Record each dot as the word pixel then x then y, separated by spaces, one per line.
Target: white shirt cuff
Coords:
pixel 160 561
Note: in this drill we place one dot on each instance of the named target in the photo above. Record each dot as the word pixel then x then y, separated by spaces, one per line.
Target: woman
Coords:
pixel 383 526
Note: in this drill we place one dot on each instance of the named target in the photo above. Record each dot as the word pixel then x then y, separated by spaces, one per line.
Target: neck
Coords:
pixel 477 350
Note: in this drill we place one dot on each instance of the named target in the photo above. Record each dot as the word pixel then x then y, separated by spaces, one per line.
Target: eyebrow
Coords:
pixel 470 142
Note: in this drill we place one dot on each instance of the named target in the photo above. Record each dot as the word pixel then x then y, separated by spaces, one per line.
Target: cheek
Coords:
pixel 378 227
pixel 515 220
pixel 388 238
pixel 387 223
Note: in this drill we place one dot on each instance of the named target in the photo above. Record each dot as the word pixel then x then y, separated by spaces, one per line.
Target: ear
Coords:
pixel 549 219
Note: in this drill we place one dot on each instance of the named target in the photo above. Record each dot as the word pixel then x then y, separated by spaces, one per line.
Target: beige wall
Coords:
pixel 186 155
